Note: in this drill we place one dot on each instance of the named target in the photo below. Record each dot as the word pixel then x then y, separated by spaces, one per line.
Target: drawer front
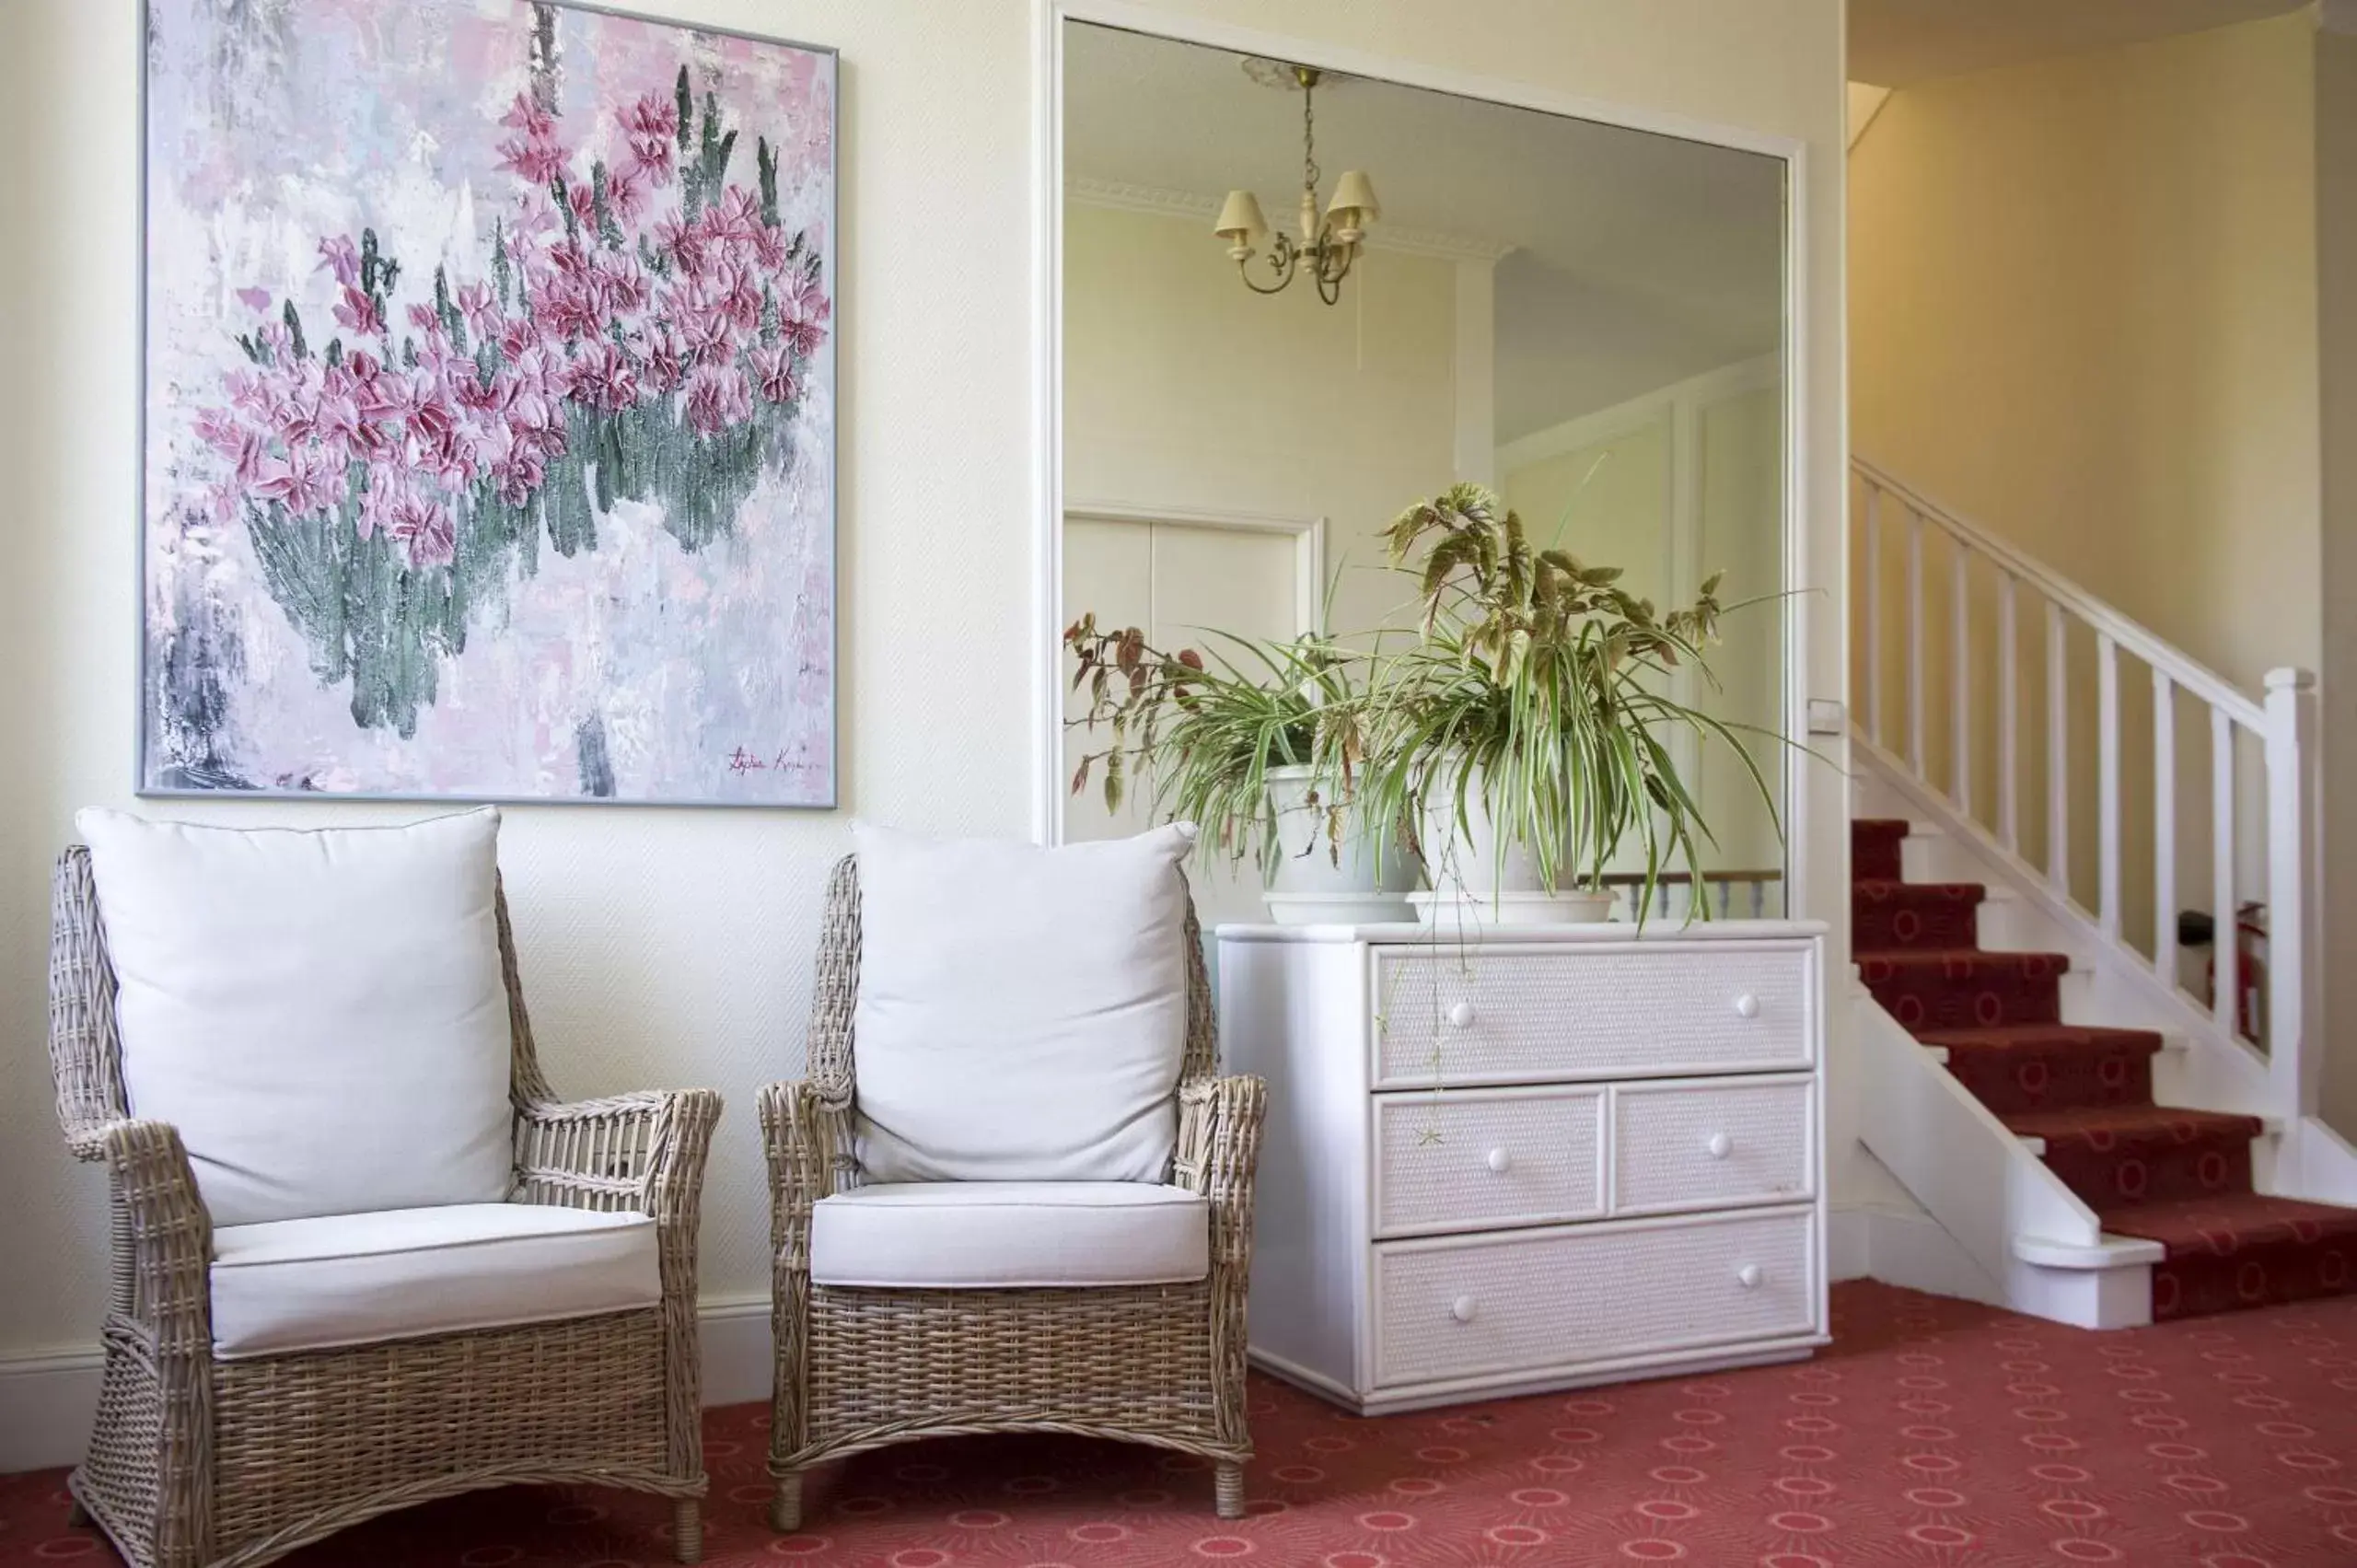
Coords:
pixel 1683 1145
pixel 1523 1301
pixel 1484 1158
pixel 1507 1016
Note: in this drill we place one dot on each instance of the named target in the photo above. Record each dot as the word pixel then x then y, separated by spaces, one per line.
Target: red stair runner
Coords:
pixel 2181 1177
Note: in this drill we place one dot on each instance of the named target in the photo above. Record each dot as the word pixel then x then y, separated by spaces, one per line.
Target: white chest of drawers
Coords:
pixel 1519 1159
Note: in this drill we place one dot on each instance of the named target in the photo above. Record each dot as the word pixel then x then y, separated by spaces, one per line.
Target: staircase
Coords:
pixel 2098 1143
pixel 2082 1093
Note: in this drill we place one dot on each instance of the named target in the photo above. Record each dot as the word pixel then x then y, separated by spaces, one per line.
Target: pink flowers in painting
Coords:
pixel 640 329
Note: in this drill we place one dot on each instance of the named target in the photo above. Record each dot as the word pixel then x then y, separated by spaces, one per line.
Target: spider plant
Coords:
pixel 1204 730
pixel 1536 691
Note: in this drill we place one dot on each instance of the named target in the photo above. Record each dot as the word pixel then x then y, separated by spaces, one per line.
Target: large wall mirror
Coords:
pixel 1589 319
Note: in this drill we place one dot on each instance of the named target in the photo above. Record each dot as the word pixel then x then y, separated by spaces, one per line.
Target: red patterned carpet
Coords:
pixel 1933 1433
pixel 2181 1177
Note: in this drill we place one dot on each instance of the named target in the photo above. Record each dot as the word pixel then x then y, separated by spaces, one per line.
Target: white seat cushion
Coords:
pixel 320 1015
pixel 1022 1011
pixel 355 1278
pixel 998 1234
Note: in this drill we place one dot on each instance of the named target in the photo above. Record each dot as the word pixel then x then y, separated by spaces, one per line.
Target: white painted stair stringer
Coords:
pixel 2011 1215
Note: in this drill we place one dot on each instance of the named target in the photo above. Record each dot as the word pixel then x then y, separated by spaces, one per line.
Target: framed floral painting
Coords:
pixel 489 405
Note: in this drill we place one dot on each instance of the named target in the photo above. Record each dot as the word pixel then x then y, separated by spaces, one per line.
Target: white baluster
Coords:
pixel 2225 951
pixel 1915 642
pixel 2009 821
pixel 2107 781
pixel 1873 612
pixel 2058 751
pixel 1959 677
pixel 2295 976
pixel 2165 827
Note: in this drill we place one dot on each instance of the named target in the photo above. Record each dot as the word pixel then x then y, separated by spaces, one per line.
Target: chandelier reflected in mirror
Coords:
pixel 1327 248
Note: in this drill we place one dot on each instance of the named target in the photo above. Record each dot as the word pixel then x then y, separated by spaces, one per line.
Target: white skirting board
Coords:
pixel 46 1399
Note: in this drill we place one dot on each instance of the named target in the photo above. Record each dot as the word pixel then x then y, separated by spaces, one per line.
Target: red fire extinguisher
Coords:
pixel 2250 972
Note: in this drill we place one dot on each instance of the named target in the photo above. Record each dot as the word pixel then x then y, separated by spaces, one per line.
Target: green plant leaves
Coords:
pixel 1534 691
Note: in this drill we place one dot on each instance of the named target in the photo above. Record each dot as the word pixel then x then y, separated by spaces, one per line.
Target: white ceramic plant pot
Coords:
pixel 1310 884
pixel 1474 884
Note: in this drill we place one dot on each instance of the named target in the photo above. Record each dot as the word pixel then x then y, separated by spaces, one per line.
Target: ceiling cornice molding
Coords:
pixel 1123 196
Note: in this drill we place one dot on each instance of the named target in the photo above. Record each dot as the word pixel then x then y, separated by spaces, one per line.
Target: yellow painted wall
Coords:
pixel 2083 315
pixel 2082 312
pixel 674 946
pixel 2337 310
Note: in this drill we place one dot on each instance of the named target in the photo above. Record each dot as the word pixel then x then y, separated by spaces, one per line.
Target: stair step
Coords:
pixel 1873 846
pixel 2031 1067
pixel 1963 988
pixel 1888 915
pixel 2107 1252
pixel 2242 1249
pixel 2132 1154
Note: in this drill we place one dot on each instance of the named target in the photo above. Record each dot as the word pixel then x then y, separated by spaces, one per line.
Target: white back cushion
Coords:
pixel 1022 1011
pixel 321 1013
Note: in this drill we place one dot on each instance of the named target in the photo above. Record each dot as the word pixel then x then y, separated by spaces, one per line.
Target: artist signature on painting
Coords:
pixel 744 760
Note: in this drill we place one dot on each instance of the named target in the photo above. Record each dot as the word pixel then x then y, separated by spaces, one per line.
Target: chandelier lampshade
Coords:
pixel 1240 223
pixel 1354 208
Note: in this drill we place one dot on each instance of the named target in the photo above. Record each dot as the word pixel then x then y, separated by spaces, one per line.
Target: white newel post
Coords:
pixel 2294 865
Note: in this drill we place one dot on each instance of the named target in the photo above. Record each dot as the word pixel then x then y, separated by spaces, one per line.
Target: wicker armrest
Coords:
pixel 643 1151
pixel 171 1234
pixel 1219 1149
pixel 807 1138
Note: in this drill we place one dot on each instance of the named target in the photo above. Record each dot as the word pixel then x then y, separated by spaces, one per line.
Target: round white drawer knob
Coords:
pixel 1501 1161
pixel 1749 1276
pixel 1461 1014
pixel 1462 1309
pixel 1746 1005
pixel 1719 1146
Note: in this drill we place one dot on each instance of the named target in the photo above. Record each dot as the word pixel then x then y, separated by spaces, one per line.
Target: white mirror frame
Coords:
pixel 1814 871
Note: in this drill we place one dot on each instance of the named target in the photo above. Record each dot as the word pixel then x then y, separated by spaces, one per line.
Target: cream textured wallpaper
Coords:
pixel 672 946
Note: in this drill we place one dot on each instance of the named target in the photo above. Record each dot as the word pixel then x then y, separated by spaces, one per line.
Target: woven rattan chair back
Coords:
pixel 196 1462
pixel 861 1367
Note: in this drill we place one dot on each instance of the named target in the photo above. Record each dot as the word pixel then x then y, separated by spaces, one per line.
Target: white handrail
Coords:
pixel 2132 637
pixel 2287 1026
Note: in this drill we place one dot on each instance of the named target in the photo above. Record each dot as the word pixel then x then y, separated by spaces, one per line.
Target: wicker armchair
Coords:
pixel 197 1461
pixel 859 1368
